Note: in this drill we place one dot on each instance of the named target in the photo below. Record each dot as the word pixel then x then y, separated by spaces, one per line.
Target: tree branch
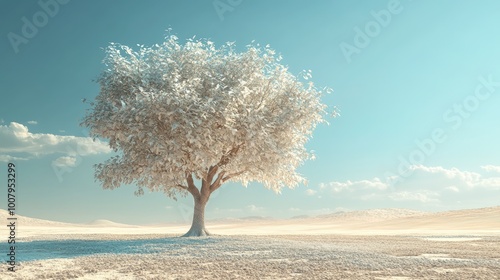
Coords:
pixel 205 189
pixel 228 155
pixel 211 172
pixel 233 175
pixel 191 187
pixel 218 182
pixel 181 186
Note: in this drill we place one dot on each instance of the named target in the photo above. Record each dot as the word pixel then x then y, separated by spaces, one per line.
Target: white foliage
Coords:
pixel 175 109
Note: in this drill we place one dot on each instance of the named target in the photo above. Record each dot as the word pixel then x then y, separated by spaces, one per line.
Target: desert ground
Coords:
pixel 371 244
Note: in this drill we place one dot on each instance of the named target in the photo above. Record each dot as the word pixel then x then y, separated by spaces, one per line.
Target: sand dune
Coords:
pixel 376 221
pixel 483 221
pixel 107 223
pixel 369 244
pixel 372 215
pixel 471 219
pixel 27 221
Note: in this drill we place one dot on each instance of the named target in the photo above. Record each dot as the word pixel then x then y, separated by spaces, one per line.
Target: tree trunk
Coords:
pixel 198 225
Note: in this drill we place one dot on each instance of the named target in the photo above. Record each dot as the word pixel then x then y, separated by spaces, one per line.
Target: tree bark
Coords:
pixel 208 185
pixel 198 225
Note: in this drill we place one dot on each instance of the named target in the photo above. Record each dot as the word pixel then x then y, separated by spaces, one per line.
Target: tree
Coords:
pixel 175 113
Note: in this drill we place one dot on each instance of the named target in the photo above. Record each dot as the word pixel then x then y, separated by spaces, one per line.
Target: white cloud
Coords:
pixel 254 208
pixel 435 185
pixel 348 185
pixel 422 196
pixel 323 211
pixel 489 183
pixel 491 168
pixel 453 189
pixel 310 192
pixel 16 138
pixel 64 162
pixel 225 210
pixel 443 177
pixel 466 177
pixel 292 209
pixel 32 122
pixel 7 158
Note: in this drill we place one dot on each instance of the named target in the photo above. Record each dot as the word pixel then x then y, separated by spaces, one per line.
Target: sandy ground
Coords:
pixel 450 245
pixel 287 257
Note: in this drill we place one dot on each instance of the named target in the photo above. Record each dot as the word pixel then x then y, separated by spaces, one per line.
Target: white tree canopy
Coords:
pixel 173 111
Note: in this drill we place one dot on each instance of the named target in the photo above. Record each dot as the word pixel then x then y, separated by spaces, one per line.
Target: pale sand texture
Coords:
pixel 374 244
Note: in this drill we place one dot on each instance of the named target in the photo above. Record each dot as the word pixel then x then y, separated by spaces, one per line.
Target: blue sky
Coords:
pixel 417 84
